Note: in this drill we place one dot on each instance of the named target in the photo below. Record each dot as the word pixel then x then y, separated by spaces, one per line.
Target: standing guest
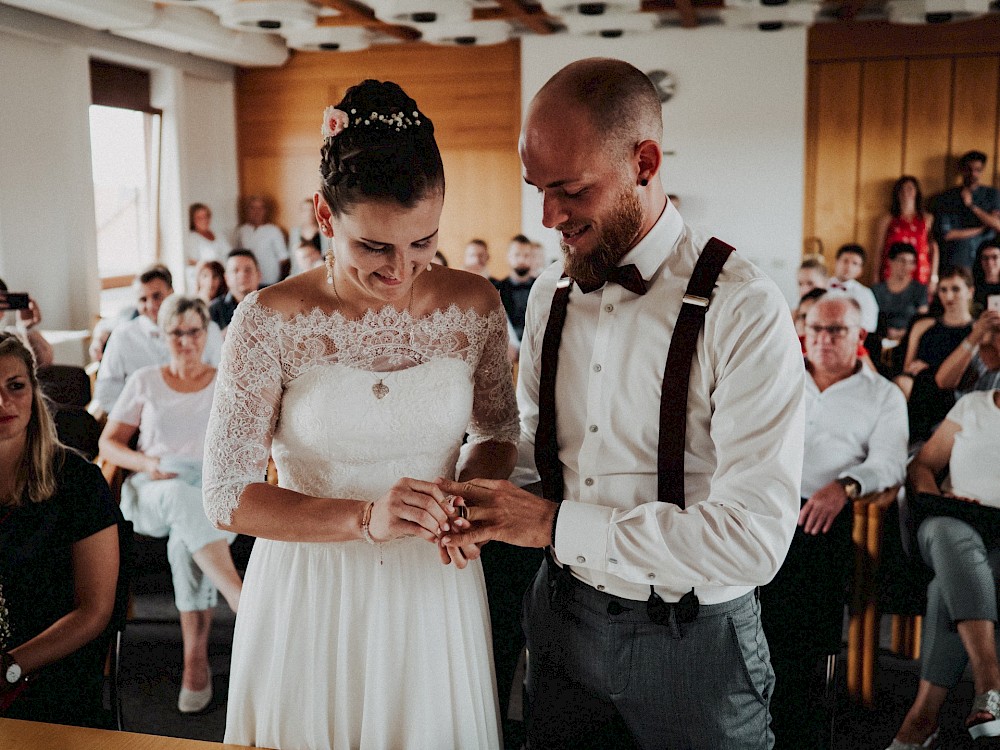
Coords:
pixel 58 560
pixel 211 281
pixel 960 625
pixel 514 289
pixel 26 324
pixel 305 232
pixel 846 270
pixel 986 273
pixel 168 406
pixel 264 239
pixel 966 215
pixel 908 222
pixel 625 617
pixel 242 277
pixel 900 297
pixel 856 435
pixel 477 258
pixel 139 342
pixel 351 633
pixel 307 257
pixel 930 342
pixel 201 245
pixel 812 275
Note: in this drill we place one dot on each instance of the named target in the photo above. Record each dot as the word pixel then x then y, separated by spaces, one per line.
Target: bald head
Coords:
pixel 838 306
pixel 617 98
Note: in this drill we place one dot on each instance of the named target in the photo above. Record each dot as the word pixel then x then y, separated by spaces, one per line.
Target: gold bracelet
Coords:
pixel 366 519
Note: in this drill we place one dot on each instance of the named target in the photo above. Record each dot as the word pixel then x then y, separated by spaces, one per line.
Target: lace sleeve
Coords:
pixel 494 407
pixel 244 411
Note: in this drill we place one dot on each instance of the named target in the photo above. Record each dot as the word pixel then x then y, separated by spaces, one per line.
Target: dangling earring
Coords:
pixel 329 266
pixel 430 266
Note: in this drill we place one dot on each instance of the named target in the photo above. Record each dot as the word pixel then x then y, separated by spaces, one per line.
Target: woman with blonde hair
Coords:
pixel 58 560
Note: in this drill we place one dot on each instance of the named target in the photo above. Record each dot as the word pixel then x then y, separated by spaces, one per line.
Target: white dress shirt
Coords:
pixel 743 457
pixel 865 298
pixel 268 246
pixel 973 464
pixel 856 428
pixel 140 343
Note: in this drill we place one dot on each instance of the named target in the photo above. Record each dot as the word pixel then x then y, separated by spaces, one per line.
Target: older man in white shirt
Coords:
pixel 855 443
pixel 140 342
pixel 625 619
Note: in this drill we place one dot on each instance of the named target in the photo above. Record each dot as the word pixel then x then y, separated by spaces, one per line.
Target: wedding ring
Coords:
pixel 463 512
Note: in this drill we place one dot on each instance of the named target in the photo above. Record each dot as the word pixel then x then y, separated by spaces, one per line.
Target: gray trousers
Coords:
pixel 601 675
pixel 964 588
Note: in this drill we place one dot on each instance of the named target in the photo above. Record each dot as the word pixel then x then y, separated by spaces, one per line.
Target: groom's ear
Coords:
pixel 324 216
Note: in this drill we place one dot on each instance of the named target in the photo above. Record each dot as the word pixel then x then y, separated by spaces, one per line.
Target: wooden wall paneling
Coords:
pixel 838 110
pixel 809 244
pixel 928 121
pixel 880 158
pixel 870 40
pixel 974 108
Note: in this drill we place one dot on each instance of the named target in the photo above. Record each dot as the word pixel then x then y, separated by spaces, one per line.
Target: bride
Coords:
pixel 360 379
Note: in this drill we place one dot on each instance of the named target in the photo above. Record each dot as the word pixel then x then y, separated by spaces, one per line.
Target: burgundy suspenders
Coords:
pixel 673 398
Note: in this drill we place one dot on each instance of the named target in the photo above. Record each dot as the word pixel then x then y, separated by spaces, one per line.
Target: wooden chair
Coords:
pixel 869 534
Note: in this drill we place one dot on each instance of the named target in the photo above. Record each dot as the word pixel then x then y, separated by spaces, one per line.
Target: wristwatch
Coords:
pixel 852 487
pixel 11 669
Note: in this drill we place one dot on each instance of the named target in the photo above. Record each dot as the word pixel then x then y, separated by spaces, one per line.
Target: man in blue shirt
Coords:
pixel 966 215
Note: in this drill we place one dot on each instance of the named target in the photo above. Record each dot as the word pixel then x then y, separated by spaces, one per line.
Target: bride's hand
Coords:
pixel 451 553
pixel 410 508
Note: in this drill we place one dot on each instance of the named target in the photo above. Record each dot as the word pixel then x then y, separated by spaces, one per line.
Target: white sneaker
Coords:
pixel 195 701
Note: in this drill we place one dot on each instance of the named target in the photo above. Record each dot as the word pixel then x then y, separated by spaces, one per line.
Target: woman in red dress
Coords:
pixel 908 222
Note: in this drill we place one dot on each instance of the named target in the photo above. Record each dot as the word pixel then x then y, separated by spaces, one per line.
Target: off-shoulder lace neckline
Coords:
pixel 371 316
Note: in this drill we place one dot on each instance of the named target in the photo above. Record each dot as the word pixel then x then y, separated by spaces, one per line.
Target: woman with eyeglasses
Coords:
pixel 168 406
pixel 931 340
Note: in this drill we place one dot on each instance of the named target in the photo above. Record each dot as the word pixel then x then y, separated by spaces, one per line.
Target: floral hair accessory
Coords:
pixel 334 121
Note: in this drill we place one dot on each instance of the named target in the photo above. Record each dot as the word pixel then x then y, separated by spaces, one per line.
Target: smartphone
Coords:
pixel 993 302
pixel 13 300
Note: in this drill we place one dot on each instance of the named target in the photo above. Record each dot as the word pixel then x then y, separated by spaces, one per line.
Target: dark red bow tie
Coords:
pixel 626 276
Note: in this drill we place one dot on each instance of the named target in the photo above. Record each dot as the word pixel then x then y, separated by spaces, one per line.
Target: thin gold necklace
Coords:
pixel 379 389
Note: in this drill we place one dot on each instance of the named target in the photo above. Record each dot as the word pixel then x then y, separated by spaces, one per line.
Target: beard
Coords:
pixel 615 235
pixel 522 270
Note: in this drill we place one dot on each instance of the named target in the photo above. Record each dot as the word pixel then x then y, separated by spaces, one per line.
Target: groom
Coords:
pixel 643 624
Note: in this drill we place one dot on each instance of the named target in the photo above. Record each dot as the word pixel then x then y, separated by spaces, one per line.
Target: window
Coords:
pixel 125 154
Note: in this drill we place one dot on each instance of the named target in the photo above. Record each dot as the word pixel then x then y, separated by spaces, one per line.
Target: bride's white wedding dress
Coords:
pixel 348 645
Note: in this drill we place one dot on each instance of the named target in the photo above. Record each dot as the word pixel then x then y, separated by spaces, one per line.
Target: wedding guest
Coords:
pixel 974 365
pixel 351 633
pixel 306 232
pixel 202 245
pixel 812 275
pixel 846 270
pixel 211 282
pixel 265 240
pixel 307 257
pixel 960 624
pixel 908 222
pixel 986 273
pixel 800 313
pixel 966 215
pixel 516 286
pixel 242 277
pixel 168 406
pixel 625 617
pixel 26 322
pixel 900 297
pixel 58 560
pixel 476 258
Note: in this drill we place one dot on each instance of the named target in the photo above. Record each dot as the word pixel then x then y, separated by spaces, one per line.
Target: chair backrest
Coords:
pixel 78 429
pixel 65 385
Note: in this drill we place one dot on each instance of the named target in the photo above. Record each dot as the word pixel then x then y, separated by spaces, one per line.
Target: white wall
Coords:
pixel 47 232
pixel 736 124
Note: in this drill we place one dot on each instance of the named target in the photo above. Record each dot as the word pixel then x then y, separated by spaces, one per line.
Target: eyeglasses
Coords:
pixel 179 333
pixel 834 332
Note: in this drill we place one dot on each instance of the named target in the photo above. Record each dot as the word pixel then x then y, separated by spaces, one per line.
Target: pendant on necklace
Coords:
pixel 380 389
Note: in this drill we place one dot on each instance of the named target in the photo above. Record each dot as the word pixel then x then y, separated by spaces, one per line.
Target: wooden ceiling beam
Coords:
pixel 356 14
pixel 689 19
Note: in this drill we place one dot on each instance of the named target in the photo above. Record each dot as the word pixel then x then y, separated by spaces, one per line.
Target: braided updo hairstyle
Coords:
pixel 386 152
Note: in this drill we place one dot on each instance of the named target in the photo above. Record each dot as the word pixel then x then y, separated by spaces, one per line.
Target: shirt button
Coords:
pixel 600 587
pixel 609 308
pixel 612 560
pixel 589 482
pixel 593 428
pixel 581 559
pixel 597 368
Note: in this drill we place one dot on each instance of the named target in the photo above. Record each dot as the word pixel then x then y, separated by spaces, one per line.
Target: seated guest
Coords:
pixel 168 406
pixel 102 331
pixel 931 340
pixel 986 272
pixel 262 238
pixel 962 598
pixel 900 297
pixel 855 443
pixel 307 256
pixel 812 275
pixel 846 270
pixel 211 281
pixel 242 277
pixel 27 320
pixel 139 342
pixel 975 363
pixel 476 257
pixel 58 560
pixel 800 313
pixel 305 232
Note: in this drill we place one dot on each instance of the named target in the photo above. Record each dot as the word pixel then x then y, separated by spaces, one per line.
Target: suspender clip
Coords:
pixel 692 299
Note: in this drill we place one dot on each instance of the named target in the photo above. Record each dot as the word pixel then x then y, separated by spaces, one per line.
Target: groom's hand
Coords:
pixel 499 510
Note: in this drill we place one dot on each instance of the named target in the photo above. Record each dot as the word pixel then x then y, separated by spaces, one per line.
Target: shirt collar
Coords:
pixel 652 250
pixel 149 327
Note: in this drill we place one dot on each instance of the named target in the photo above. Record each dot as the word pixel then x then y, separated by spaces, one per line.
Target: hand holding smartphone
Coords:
pixel 993 302
pixel 19 300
